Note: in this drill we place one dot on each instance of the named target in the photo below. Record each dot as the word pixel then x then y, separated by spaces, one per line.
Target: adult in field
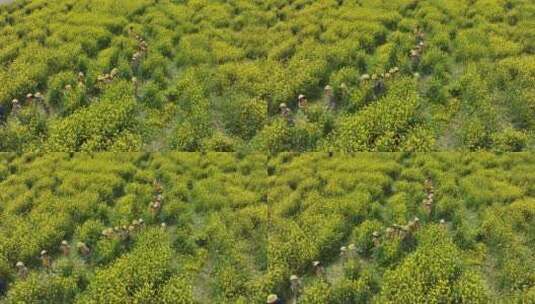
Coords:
pixel 22 270
pixel 45 259
pixel 286 113
pixel 15 106
pixel 65 248
pixel 329 98
pixel 302 102
pixel 296 288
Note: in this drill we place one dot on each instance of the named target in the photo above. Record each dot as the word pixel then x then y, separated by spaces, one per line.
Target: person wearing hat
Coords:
pixel 81 79
pixel 413 225
pixel 273 299
pixel 83 249
pixel 375 238
pixel 123 233
pixel 22 270
pixel 65 248
pixel 415 58
pixel 285 111
pixel 39 97
pixel 29 98
pixel 295 287
pixel 379 85
pixel 15 106
pixel 443 223
pixel 365 78
pixel 45 259
pixel 330 100
pixel 319 271
pixel 302 102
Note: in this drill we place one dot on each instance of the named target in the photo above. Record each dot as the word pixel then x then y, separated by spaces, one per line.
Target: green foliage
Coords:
pixel 211 75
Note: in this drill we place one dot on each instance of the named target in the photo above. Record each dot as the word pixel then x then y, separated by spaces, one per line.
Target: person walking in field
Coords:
pixel 285 112
pixel 15 106
pixel 65 248
pixel 29 98
pixel 376 239
pixel 83 249
pixel 330 100
pixel 302 102
pixel 22 270
pixel 295 287
pixel 319 271
pixel 46 261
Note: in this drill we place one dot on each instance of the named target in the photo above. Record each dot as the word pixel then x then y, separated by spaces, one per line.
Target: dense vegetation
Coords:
pixel 193 75
pixel 211 250
pixel 237 227
pixel 482 252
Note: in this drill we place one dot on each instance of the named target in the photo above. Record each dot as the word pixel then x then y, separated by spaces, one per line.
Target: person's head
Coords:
pixel 44 253
pixel 64 243
pixel 20 264
pixel 294 278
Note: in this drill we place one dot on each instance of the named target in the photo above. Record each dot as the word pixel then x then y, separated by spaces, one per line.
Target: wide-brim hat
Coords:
pixel 272 298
